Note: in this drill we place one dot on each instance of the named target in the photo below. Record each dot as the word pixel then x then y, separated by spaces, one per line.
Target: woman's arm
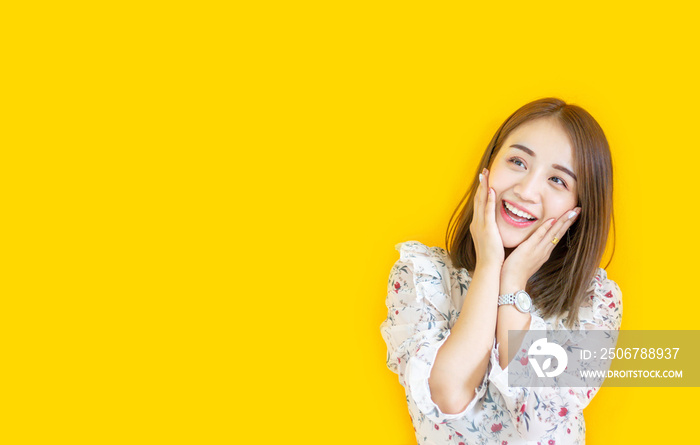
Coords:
pixel 462 361
pixel 517 269
pixel 420 313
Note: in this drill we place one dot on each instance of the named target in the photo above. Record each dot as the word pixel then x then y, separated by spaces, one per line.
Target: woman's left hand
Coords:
pixel 532 253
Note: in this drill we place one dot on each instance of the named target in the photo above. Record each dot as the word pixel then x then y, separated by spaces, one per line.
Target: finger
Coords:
pixel 477 198
pixel 480 199
pixel 569 218
pixel 539 235
pixel 487 196
pixel 490 216
pixel 562 225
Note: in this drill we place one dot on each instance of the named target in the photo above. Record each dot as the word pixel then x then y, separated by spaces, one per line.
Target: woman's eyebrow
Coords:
pixel 557 166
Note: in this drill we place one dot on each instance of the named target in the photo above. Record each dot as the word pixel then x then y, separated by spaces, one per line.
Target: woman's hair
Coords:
pixel 561 283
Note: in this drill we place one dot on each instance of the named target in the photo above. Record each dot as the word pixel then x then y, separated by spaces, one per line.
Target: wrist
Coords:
pixel 510 285
pixel 488 268
pixel 519 300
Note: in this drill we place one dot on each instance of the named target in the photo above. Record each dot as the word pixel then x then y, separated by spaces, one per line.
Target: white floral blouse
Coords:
pixel 425 293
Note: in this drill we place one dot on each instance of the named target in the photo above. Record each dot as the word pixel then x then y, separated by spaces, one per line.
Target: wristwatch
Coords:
pixel 520 299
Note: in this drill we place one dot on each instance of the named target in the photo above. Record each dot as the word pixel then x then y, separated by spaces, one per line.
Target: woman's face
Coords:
pixel 533 173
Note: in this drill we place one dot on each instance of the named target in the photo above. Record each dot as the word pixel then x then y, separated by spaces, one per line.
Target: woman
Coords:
pixel 523 254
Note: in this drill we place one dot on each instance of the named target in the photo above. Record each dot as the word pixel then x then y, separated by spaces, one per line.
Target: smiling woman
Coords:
pixel 539 142
pixel 545 176
pixel 532 184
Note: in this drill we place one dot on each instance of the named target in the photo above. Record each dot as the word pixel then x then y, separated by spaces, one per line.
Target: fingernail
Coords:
pixel 481 177
pixel 572 214
pixel 552 221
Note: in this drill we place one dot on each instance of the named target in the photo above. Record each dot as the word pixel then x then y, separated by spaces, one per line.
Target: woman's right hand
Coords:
pixel 487 238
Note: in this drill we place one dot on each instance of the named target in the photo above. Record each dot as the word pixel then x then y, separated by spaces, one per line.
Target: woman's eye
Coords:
pixel 558 180
pixel 517 162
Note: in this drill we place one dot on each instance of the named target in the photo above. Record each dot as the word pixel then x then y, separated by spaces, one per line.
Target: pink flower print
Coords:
pixel 609 294
pixel 517 419
pixel 551 442
pixel 399 359
pixel 524 350
pixel 591 297
pixel 496 427
pixel 571 391
pixel 611 305
pixel 505 442
pixel 461 443
pixel 397 286
pixel 397 312
pixel 522 408
pixel 524 360
pixel 568 430
pixel 563 412
pixel 449 438
pixel 589 393
pixel 437 427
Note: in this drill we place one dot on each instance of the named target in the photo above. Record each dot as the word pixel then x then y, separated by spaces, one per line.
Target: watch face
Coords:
pixel 523 301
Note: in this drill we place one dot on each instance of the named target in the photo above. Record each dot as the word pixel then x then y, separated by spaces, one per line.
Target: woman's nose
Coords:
pixel 528 189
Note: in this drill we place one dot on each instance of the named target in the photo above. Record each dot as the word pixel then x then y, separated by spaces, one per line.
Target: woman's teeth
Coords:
pixel 518 212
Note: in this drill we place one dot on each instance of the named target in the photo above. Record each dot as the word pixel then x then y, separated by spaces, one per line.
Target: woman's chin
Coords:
pixel 510 245
pixel 510 236
pixel 513 237
pixel 511 242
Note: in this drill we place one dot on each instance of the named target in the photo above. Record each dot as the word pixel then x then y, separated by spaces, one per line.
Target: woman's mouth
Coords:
pixel 518 220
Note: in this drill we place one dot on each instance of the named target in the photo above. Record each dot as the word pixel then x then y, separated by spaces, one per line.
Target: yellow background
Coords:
pixel 201 201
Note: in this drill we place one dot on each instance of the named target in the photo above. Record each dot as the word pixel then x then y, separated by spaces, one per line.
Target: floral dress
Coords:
pixel 425 293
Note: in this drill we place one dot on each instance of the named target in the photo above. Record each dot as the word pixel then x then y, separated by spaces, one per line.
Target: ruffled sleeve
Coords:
pixel 536 411
pixel 420 315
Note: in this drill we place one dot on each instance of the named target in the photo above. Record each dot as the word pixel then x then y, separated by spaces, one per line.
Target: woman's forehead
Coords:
pixel 542 138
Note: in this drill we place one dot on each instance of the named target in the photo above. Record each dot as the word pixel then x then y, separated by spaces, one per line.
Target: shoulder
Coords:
pixel 413 249
pixel 602 305
pixel 602 286
pixel 422 274
pixel 415 252
pixel 423 262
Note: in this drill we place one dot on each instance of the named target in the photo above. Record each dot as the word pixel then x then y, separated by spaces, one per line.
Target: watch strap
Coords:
pixel 506 299
pixel 523 306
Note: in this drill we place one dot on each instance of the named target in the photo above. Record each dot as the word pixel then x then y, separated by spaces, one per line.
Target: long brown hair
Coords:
pixel 561 283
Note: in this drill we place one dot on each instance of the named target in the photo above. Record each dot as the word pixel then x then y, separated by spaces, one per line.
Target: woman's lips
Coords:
pixel 511 221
